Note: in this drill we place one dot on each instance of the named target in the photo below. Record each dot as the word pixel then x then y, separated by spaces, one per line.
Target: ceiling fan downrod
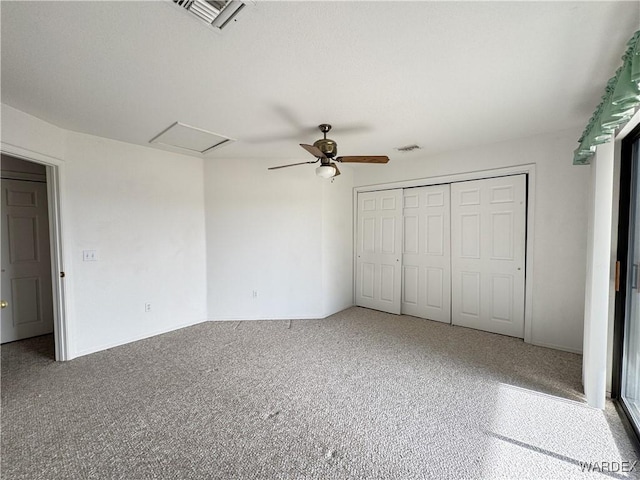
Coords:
pixel 324 128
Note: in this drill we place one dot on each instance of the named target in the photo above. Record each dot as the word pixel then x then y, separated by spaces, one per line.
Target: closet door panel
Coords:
pixel 488 228
pixel 378 252
pixel 426 254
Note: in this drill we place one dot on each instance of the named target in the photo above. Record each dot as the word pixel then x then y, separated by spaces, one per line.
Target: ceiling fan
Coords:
pixel 325 151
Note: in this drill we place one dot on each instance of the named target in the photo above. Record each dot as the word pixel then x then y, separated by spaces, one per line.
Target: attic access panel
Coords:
pixel 189 138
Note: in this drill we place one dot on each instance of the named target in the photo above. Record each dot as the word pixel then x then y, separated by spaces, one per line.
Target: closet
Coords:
pixel 453 253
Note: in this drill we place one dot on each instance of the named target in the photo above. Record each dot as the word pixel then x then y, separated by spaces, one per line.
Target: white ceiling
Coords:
pixel 443 75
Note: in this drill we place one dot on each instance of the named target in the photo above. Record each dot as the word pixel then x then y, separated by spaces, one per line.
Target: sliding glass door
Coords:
pixel 630 372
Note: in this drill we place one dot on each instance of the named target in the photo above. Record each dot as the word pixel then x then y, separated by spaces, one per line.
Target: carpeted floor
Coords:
pixel 361 394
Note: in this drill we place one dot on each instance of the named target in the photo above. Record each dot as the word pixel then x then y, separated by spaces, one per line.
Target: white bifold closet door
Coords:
pixel 488 219
pixel 426 259
pixel 379 250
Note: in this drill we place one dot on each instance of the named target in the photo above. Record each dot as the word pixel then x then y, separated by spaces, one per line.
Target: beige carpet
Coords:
pixel 361 394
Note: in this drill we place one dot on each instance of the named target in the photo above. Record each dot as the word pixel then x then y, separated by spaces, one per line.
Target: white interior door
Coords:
pixel 379 250
pixel 488 219
pixel 26 261
pixel 426 259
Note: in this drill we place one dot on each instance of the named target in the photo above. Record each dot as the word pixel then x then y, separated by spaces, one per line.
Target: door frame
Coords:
pixel 622 251
pixel 54 168
pixel 528 169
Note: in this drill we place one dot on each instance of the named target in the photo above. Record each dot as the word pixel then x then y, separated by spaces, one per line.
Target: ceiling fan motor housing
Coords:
pixel 327 146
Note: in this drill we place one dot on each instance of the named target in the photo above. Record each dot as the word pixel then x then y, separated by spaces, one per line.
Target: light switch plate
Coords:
pixel 89 255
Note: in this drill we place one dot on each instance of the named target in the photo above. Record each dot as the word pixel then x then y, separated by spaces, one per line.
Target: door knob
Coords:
pixel 4 304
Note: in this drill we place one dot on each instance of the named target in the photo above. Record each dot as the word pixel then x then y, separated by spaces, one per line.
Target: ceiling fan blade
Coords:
pixel 364 159
pixel 315 151
pixel 290 165
pixel 335 165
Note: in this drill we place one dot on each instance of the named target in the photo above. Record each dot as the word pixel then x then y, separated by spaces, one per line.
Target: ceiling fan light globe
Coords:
pixel 325 171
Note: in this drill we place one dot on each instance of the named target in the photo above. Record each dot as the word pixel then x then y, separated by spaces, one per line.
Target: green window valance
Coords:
pixel 619 103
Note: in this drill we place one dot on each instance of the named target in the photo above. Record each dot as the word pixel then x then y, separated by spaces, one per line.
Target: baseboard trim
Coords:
pixel 319 316
pixel 557 347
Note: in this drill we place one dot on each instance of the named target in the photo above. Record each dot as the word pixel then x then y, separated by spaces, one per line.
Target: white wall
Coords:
pixel 25 131
pixel 143 211
pixel 284 234
pixel 560 221
pixel 337 242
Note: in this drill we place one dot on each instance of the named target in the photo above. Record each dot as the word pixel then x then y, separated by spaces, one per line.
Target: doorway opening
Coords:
pixel 32 273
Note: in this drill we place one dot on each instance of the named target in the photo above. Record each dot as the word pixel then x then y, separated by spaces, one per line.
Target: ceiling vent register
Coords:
pixel 408 148
pixel 217 13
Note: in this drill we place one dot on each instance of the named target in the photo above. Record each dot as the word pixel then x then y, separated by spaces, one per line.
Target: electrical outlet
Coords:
pixel 254 294
pixel 89 255
pixel 147 307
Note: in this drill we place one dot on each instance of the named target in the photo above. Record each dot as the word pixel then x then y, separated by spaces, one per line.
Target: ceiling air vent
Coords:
pixel 408 148
pixel 189 139
pixel 217 13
